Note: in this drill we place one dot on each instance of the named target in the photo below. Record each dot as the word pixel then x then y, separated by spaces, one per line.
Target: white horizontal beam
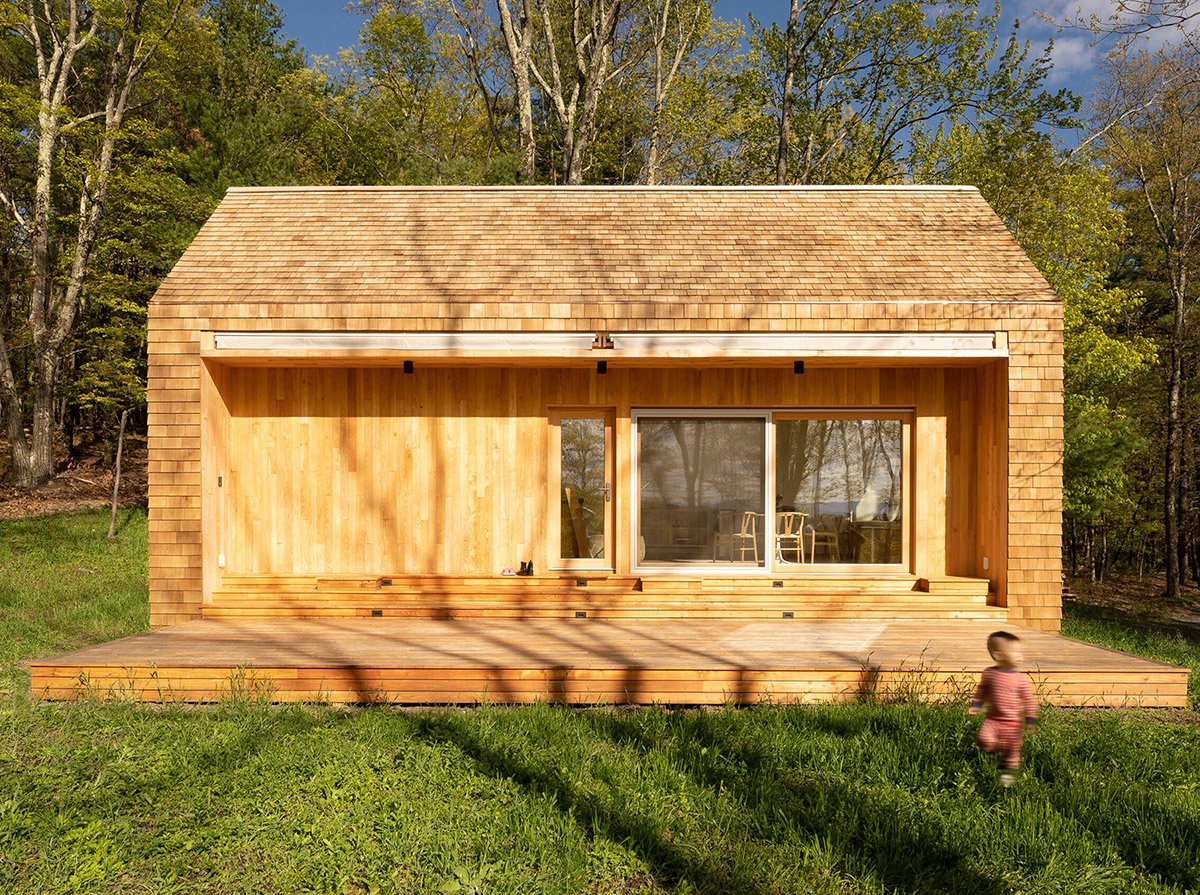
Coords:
pixel 629 346
pixel 801 345
pixel 405 342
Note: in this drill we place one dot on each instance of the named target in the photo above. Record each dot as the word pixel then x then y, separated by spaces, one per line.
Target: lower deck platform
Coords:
pixel 588 661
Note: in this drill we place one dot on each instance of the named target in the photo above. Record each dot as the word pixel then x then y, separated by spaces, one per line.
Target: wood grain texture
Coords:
pixel 447 472
pixel 589 661
pixel 846 595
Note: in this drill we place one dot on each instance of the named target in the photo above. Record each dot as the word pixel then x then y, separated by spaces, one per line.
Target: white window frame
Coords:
pixel 769 567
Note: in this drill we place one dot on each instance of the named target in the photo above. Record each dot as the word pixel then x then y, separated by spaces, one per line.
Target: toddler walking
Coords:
pixel 1006 696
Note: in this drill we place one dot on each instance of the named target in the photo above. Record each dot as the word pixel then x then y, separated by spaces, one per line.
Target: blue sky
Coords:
pixel 323 27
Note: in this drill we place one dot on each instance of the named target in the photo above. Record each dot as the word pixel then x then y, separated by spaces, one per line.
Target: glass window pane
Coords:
pixel 583 484
pixel 845 476
pixel 701 484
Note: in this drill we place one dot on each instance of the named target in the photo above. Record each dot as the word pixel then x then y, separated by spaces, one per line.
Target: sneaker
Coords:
pixel 1007 779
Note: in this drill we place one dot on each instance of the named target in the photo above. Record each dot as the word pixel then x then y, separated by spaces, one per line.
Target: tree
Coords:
pixel 1061 209
pixel 245 101
pixel 151 216
pixel 518 40
pixel 1131 18
pixel 583 47
pixel 674 29
pixel 1148 112
pixel 84 64
pixel 845 88
pixel 415 115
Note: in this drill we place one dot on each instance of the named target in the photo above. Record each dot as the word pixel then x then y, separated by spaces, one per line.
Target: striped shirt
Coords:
pixel 1007 694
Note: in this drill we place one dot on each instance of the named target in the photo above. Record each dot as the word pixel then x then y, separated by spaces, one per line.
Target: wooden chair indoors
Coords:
pixel 737 532
pixel 789 536
pixel 826 534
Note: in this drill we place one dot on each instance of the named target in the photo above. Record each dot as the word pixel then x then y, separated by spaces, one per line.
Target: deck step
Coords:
pixel 833 596
pixel 811 613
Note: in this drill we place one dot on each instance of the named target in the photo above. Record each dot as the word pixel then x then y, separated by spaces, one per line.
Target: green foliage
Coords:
pixel 240 122
pixel 152 215
pixel 1061 211
pixel 873 79
pixel 413 117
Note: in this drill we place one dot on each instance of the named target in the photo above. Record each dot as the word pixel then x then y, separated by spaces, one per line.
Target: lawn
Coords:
pixel 65 585
pixel 245 797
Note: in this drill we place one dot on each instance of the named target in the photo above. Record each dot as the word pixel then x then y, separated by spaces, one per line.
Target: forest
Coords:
pixel 123 122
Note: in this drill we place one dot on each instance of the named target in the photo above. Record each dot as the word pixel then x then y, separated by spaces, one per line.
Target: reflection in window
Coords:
pixel 701 484
pixel 845 476
pixel 583 479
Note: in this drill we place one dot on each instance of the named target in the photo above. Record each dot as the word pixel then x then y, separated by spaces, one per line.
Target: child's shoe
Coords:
pixel 1007 779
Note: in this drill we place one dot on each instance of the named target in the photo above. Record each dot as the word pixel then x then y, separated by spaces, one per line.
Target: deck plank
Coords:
pixel 587 660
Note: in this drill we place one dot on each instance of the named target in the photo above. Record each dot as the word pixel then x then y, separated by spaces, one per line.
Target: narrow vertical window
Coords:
pixel 582 498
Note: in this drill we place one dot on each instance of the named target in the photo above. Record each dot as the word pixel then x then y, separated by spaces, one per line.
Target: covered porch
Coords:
pixel 589 660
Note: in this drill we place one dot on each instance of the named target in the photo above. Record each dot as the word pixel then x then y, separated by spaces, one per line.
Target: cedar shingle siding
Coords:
pixel 849 260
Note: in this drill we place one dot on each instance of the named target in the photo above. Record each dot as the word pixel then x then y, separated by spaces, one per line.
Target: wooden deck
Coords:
pixel 587 660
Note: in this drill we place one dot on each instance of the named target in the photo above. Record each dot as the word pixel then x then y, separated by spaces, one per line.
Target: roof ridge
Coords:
pixel 907 187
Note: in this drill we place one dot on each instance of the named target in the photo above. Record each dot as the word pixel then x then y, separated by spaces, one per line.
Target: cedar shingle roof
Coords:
pixel 497 246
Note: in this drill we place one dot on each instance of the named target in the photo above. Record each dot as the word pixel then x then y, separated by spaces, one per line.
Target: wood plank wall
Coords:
pixel 1022 396
pixel 443 471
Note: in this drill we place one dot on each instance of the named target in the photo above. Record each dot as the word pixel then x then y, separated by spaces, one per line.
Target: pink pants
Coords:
pixel 1003 739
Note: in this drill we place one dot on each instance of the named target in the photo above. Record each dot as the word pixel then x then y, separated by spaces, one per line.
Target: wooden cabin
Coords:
pixel 668 402
pixel 751 443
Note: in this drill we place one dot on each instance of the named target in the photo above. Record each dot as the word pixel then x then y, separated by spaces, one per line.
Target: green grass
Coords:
pixel 1085 623
pixel 251 798
pixel 246 797
pixel 65 585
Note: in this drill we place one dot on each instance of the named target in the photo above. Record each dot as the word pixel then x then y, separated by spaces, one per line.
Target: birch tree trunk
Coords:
pixel 518 40
pixel 573 87
pixel 57 34
pixel 685 24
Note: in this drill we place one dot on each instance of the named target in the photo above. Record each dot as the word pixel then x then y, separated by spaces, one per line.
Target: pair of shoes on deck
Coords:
pixel 526 568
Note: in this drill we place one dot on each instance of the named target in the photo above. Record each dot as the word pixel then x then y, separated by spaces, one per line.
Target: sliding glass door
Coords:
pixel 771 490
pixel 841 478
pixel 702 490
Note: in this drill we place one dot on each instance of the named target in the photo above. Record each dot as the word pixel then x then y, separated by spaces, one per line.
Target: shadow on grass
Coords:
pixel 1129 622
pixel 870 830
pixel 669 861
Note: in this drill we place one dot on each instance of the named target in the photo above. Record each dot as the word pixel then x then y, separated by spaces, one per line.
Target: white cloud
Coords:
pixel 1105 12
pixel 1074 55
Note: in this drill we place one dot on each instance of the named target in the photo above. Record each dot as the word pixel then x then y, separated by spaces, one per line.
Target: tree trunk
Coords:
pixel 785 104
pixel 1173 549
pixel 1073 548
pixel 112 520
pixel 520 48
